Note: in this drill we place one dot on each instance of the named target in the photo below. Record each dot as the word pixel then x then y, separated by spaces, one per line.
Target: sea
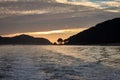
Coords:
pixel 60 62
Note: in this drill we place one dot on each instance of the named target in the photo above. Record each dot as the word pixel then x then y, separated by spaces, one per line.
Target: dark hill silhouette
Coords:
pixel 103 33
pixel 24 39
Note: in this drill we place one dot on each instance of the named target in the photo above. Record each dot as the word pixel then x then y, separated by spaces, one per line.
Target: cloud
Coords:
pixel 112 3
pixel 48 32
pixel 99 4
pixel 8 0
pixel 26 7
pixel 78 2
pixel 27 12
pixel 115 11
pixel 111 6
pixel 44 15
pixel 52 35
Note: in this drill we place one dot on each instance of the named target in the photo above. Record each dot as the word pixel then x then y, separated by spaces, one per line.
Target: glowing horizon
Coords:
pixel 52 35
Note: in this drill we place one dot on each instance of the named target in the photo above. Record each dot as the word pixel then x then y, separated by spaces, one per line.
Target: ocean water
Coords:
pixel 59 62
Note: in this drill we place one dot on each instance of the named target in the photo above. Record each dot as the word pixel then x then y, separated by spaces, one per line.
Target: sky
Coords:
pixel 52 19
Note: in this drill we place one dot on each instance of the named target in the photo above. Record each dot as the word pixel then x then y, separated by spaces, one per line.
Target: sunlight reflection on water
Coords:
pixel 59 62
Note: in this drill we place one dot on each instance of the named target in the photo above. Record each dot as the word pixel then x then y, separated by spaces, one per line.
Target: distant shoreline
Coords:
pixel 111 44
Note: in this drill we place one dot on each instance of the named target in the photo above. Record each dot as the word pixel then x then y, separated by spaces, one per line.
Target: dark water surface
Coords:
pixel 59 62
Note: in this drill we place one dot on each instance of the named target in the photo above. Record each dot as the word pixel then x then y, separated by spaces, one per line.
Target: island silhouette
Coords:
pixel 105 33
pixel 24 40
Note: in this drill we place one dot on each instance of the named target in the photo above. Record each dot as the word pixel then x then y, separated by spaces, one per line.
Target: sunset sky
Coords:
pixel 52 19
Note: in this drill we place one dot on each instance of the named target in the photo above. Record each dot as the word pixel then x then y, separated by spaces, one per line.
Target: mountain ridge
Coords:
pixel 103 33
pixel 24 40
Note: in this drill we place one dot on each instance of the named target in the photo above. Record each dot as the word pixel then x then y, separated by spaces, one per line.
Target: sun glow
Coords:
pixel 51 35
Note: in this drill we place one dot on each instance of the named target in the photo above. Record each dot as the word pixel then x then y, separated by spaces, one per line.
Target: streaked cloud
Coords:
pixel 112 3
pixel 115 11
pixel 79 2
pixel 51 35
pixel 47 32
pixel 27 12
pixel 54 18
pixel 99 4
pixel 7 0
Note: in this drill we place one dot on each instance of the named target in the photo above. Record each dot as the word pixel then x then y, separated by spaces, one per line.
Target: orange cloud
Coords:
pixel 51 35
